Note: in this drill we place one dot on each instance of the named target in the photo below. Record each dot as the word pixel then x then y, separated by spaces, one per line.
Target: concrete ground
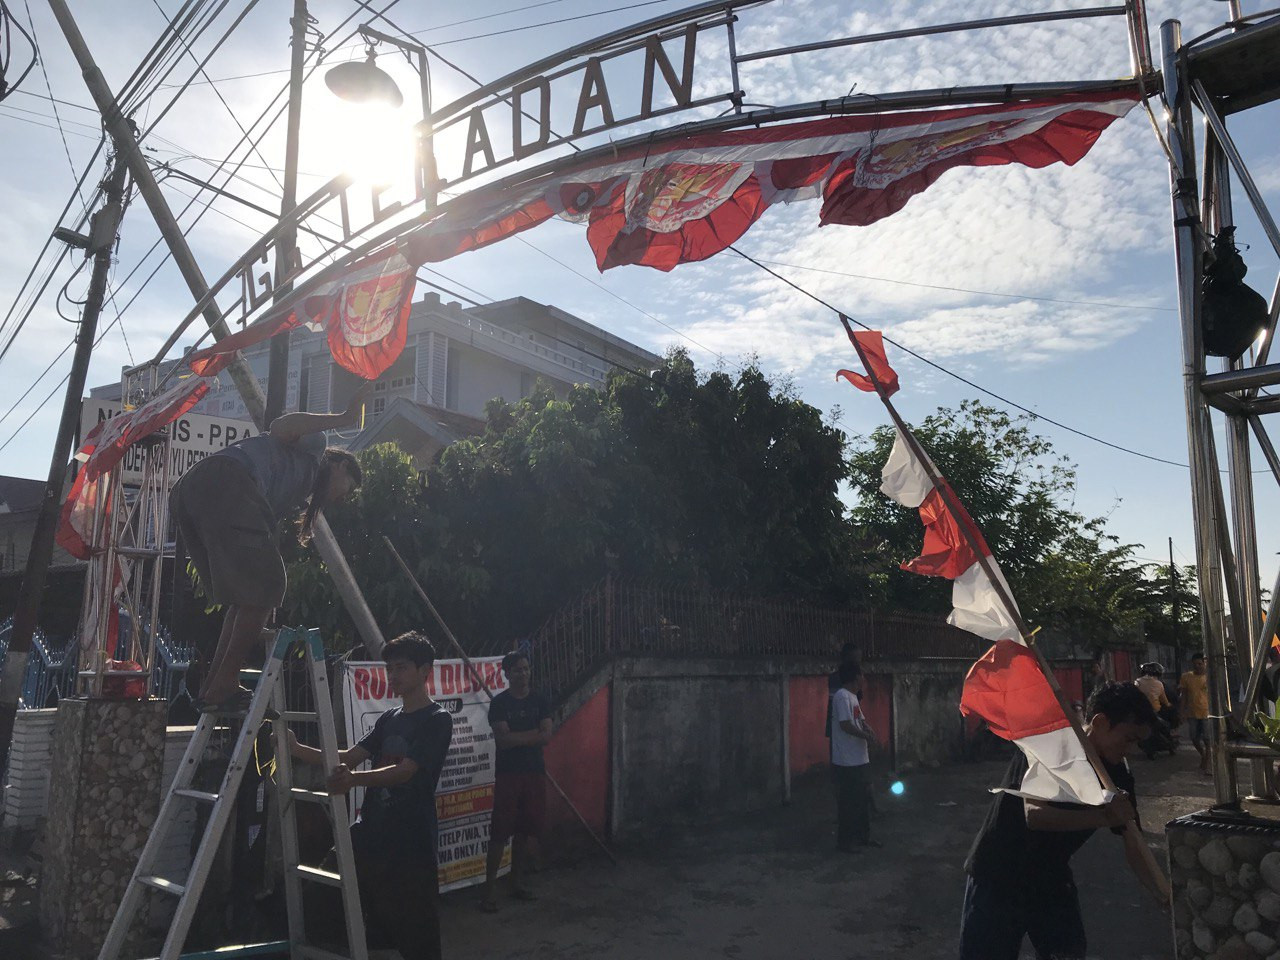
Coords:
pixel 769 886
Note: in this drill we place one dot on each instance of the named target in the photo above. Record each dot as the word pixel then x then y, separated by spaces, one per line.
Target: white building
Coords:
pixel 455 361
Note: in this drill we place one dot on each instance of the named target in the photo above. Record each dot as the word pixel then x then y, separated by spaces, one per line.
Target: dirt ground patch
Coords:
pixel 770 886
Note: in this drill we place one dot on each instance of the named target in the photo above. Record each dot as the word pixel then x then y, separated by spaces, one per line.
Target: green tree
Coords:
pixel 726 481
pixel 1066 572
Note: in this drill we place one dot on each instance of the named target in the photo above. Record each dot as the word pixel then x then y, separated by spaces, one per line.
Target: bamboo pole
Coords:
pixel 959 514
pixel 475 674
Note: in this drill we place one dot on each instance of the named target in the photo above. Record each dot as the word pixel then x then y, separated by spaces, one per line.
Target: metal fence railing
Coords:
pixel 627 618
pixel 51 669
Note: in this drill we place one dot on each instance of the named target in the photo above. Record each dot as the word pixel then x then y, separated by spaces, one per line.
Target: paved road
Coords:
pixel 767 887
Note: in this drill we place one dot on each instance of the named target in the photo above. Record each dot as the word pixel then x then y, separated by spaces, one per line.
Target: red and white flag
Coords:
pixel 364 312
pixel 1006 686
pixel 688 199
pixel 105 446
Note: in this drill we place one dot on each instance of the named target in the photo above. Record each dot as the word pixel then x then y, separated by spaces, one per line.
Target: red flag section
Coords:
pixel 1007 689
pixel 105 447
pixel 686 200
pixel 946 551
pixel 870 345
pixel 365 313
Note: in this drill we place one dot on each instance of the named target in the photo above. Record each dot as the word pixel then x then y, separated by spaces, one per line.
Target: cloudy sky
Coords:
pixel 1052 288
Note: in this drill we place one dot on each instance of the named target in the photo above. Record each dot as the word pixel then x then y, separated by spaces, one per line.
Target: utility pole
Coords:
pixel 278 356
pixel 121 131
pixel 100 244
pixel 1173 610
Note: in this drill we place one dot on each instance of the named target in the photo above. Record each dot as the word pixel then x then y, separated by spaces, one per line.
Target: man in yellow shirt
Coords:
pixel 1194 707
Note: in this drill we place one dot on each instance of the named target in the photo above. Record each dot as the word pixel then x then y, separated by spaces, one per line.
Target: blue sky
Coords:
pixel 1074 318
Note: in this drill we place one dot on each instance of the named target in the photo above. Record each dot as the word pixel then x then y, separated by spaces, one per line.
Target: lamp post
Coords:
pixel 363 81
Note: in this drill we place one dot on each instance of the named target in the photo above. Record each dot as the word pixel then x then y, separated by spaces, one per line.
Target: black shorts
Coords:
pixel 229 532
pixel 997 916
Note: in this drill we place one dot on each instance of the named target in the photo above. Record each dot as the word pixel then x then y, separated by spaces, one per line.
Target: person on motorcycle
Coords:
pixel 1149 683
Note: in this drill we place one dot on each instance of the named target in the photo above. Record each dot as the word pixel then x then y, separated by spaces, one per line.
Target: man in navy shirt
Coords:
pixel 227 507
pixel 395 838
pixel 521 722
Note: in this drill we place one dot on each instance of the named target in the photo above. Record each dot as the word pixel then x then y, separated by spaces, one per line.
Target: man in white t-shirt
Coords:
pixel 850 759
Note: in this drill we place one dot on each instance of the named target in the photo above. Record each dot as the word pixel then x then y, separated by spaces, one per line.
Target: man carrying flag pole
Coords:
pixel 1062 785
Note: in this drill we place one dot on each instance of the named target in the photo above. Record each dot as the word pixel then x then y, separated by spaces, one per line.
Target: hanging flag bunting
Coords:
pixel 364 312
pixel 872 343
pixel 660 205
pixel 105 446
pixel 1006 687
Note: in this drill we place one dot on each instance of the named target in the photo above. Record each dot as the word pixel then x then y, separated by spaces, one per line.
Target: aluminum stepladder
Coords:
pixel 270 693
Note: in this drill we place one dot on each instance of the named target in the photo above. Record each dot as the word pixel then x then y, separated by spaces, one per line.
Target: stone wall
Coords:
pixel 103 799
pixel 1226 888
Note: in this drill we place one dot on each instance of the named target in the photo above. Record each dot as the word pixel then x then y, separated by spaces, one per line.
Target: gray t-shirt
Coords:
pixel 285 472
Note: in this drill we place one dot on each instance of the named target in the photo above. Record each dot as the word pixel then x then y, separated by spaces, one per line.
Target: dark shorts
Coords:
pixel 1198 728
pixel 229 533
pixel 996 917
pixel 519 805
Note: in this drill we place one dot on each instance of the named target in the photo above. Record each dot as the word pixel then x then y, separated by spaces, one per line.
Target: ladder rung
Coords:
pixel 299 716
pixel 318 953
pixel 311 796
pixel 318 875
pixel 163 885
pixel 201 796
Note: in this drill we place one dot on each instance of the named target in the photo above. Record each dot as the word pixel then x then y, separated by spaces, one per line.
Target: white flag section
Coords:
pixel 464 796
pixel 1005 687
pixel 976 604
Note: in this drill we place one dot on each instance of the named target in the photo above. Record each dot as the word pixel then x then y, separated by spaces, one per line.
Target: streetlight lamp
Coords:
pixel 365 82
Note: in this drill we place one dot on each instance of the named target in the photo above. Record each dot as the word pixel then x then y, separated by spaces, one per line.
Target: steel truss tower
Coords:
pixel 1230 70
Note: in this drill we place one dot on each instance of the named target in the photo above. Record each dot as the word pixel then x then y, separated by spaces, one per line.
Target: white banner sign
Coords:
pixel 464 796
pixel 194 437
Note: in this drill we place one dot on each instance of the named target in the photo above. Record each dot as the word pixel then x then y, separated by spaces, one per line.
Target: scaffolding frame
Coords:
pixel 1229 70
pixel 129 537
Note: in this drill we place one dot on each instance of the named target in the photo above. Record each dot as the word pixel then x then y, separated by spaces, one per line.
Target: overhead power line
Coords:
pixel 980 293
pixel 951 373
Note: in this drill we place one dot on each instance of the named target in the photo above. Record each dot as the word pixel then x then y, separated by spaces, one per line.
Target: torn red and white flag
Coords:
pixel 659 205
pixel 1006 687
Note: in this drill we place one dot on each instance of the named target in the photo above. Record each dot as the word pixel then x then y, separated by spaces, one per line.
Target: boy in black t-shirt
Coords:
pixel 521 722
pixel 395 837
pixel 1020 881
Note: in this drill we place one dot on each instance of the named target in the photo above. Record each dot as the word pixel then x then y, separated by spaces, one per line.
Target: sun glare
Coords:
pixel 370 142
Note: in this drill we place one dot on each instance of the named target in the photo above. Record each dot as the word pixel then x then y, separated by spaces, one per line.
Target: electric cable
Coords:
pixel 200 66
pixel 951 373
pixel 45 73
pixel 9 23
pixel 980 293
pixel 341 46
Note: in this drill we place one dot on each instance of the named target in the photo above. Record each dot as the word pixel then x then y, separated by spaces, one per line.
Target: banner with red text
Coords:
pixel 464 796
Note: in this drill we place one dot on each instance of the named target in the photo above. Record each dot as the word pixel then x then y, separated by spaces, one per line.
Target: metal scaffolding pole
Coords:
pixel 1180 134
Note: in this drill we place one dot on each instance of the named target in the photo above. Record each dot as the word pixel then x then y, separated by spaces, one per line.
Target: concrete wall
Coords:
pixel 927 726
pixel 695 739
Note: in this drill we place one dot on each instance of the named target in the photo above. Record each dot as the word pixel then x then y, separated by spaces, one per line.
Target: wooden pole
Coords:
pixel 479 680
pixel 959 514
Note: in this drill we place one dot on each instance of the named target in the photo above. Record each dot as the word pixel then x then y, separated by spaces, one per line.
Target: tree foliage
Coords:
pixel 726 481
pixel 1066 571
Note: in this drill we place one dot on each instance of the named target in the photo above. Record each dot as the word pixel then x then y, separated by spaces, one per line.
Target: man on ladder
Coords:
pixel 394 839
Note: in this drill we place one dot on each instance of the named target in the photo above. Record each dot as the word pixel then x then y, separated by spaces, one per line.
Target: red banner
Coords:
pixel 686 200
